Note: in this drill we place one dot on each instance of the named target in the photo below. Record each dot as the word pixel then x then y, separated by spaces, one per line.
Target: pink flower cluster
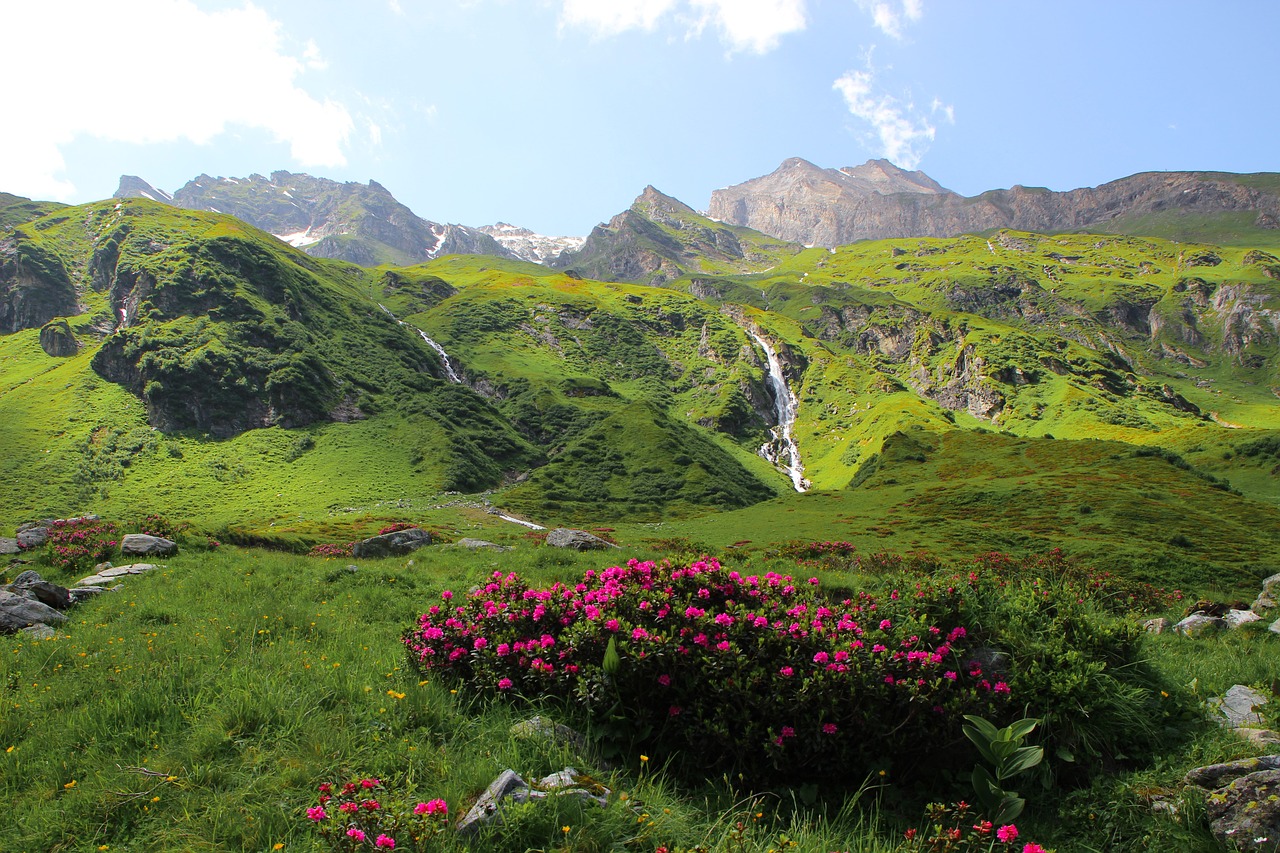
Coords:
pixel 349 816
pixel 699 644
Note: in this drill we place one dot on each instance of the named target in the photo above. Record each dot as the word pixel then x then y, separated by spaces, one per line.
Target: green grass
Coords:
pixel 199 706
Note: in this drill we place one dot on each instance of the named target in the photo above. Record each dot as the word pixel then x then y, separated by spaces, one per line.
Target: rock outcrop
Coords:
pixel 807 204
pixel 393 544
pixel 578 540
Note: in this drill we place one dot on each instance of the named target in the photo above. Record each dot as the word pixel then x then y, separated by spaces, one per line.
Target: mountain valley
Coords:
pixel 155 339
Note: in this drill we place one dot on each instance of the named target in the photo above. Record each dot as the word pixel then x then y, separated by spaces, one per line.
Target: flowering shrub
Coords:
pixel 332 550
pixel 156 525
pixel 1057 632
pixel 957 829
pixel 755 674
pixel 363 814
pixel 820 555
pixel 396 527
pixel 79 543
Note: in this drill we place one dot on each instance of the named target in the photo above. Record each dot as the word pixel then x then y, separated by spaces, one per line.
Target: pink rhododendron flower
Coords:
pixel 357 834
pixel 1007 833
pixel 504 683
pixel 1032 847
pixel 316 813
pixel 385 841
pixel 829 728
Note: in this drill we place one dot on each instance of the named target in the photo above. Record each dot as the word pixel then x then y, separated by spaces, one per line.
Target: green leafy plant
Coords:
pixel 1003 749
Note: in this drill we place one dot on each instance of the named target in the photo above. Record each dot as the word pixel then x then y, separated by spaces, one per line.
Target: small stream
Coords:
pixel 444 356
pixel 782 451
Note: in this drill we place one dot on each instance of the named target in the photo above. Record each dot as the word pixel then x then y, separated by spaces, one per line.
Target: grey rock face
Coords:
pixel 509 786
pixel 578 540
pixel 143 545
pixel 1216 775
pixel 1236 618
pixel 40 632
pixel 9 547
pixel 807 204
pixel 30 585
pixel 57 339
pixel 473 544
pixel 112 573
pixel 1236 707
pixel 1157 626
pixel 392 544
pixel 1198 625
pixel 1245 815
pixel 33 537
pixel 17 612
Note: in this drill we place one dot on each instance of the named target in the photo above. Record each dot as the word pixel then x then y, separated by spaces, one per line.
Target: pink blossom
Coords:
pixel 786 672
pixel 385 841
pixel 664 680
pixel 357 834
pixel 1007 833
pixel 885 625
pixel 1001 687
pixel 1032 847
pixel 369 783
pixel 829 728
pixel 504 684
pixel 317 813
pixel 479 644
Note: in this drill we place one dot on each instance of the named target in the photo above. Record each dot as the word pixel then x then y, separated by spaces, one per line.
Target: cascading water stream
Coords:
pixel 444 356
pixel 782 451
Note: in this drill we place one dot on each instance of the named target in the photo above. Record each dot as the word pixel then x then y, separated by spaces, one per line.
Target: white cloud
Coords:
pixel 750 25
pixel 901 133
pixel 108 70
pixel 889 16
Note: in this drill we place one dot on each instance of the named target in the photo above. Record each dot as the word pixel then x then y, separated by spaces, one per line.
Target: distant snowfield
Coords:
pixel 298 239
pixel 530 246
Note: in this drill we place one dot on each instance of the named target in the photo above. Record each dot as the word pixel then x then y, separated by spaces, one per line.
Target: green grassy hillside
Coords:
pixel 224 377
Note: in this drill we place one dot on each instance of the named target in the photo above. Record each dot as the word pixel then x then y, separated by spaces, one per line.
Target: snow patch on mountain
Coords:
pixel 528 245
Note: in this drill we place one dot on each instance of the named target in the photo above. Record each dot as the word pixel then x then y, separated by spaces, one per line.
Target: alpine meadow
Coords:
pixel 852 514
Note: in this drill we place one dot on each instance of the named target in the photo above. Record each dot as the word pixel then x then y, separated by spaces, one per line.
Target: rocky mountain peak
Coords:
pixel 131 186
pixel 653 203
pixel 885 178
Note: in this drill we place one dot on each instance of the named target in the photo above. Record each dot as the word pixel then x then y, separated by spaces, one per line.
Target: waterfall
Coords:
pixel 444 356
pixel 782 451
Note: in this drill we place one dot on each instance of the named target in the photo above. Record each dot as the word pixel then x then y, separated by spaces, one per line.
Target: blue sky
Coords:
pixel 554 114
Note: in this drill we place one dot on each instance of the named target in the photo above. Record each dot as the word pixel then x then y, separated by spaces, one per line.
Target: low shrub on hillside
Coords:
pixel 764 676
pixel 80 543
pixel 1058 631
pixel 758 675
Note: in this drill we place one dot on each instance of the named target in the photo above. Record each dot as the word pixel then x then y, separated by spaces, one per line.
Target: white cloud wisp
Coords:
pixel 745 25
pixel 901 133
pixel 889 16
pixel 233 72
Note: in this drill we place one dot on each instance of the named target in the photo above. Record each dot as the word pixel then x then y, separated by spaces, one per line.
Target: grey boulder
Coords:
pixel 144 545
pixel 30 585
pixel 1245 815
pixel 578 540
pixel 1199 625
pixel 392 544
pixel 18 612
